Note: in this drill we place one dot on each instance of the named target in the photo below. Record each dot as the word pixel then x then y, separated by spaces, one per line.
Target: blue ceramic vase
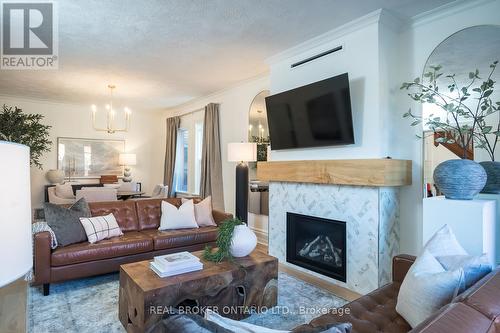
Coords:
pixel 460 179
pixel 493 171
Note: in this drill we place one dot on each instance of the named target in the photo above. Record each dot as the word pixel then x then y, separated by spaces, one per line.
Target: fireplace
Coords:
pixel 317 244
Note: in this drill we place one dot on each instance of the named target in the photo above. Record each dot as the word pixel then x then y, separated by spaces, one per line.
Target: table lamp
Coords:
pixel 242 153
pixel 127 160
pixel 15 213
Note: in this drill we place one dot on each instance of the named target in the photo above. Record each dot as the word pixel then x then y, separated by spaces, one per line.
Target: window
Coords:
pixel 181 161
pixel 187 174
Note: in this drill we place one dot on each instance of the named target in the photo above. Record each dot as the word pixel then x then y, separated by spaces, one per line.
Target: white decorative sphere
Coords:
pixel 55 176
pixel 243 242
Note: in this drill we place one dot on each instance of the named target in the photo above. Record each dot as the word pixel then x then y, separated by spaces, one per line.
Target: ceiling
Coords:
pixel 163 53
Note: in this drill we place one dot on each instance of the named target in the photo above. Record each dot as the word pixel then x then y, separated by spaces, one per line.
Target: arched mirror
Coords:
pixel 258 130
pixel 462 62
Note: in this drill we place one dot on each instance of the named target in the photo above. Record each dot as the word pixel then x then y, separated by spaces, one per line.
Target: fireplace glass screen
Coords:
pixel 317 244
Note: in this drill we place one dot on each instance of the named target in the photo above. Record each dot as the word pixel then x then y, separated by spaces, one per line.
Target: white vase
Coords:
pixel 55 176
pixel 243 242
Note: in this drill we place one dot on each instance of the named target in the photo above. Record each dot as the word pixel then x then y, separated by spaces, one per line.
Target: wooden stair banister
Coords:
pixel 454 147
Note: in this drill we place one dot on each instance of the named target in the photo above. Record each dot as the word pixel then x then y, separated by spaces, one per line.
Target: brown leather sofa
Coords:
pixel 139 220
pixel 477 310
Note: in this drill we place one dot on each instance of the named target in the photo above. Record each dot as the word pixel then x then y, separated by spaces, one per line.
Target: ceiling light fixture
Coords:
pixel 111 113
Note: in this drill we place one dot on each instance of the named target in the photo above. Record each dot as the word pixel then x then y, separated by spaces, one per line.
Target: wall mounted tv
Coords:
pixel 318 114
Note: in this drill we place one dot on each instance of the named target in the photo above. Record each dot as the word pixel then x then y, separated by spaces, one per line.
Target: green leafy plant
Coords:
pixel 27 129
pixel 224 237
pixel 467 108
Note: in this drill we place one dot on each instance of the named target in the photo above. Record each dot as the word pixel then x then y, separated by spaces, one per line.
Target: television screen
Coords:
pixel 318 114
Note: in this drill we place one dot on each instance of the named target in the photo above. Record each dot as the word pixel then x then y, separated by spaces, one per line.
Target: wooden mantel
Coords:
pixel 367 172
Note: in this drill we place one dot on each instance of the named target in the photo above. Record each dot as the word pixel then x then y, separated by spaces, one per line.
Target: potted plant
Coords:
pixel 468 107
pixel 27 129
pixel 234 239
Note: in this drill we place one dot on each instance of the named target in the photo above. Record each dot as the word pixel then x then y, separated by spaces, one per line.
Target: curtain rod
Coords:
pixel 191 112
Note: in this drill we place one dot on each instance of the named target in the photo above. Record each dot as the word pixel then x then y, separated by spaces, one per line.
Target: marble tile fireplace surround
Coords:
pixel 369 208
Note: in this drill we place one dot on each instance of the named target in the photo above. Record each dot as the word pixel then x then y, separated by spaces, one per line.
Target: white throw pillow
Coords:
pixel 203 212
pixel 426 288
pixel 173 218
pixel 475 267
pixel 100 227
pixel 65 191
pixel 444 243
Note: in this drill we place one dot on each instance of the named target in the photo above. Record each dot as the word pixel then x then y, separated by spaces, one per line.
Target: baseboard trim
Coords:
pixel 261 236
pixel 342 292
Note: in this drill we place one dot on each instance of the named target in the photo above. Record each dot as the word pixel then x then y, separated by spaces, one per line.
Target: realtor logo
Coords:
pixel 29 35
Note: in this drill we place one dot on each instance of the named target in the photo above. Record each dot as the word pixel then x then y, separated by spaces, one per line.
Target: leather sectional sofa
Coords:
pixel 476 310
pixel 139 221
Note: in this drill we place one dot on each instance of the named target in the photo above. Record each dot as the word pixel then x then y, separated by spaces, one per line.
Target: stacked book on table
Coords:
pixel 175 263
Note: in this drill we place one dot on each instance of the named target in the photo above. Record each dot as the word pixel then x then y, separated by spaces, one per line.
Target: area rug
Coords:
pixel 91 306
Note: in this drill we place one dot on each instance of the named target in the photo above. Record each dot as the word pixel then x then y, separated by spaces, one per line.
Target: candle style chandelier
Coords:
pixel 111 113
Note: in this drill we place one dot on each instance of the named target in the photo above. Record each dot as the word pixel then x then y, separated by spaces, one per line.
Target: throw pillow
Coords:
pixel 203 212
pixel 65 222
pixel 100 227
pixel 65 191
pixel 444 243
pixel 475 267
pixel 426 288
pixel 173 218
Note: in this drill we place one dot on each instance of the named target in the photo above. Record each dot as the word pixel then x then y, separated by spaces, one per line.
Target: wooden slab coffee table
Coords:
pixel 233 290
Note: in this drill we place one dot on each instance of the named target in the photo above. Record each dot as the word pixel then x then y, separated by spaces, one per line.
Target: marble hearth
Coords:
pixel 371 214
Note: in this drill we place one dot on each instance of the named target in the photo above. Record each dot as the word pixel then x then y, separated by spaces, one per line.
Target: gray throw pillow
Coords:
pixel 65 222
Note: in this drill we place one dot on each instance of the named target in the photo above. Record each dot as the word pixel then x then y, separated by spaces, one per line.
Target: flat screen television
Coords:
pixel 318 114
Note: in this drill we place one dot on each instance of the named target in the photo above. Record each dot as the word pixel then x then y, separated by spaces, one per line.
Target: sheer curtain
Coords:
pixel 170 149
pixel 211 160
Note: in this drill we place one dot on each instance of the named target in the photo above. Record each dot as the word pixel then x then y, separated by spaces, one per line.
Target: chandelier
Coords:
pixel 111 113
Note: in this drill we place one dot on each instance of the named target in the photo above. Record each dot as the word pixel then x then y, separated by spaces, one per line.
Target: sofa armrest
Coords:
pixel 220 217
pixel 41 257
pixel 400 266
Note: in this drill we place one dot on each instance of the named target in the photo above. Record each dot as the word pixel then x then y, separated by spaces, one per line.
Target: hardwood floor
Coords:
pixel 13 307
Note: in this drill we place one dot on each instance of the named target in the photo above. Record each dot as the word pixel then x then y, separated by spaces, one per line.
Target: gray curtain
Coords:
pixel 211 161
pixel 168 178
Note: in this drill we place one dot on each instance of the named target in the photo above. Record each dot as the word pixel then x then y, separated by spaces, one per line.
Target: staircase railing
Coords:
pixel 454 147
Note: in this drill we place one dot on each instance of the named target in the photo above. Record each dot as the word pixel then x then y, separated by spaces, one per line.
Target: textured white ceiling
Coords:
pixel 163 53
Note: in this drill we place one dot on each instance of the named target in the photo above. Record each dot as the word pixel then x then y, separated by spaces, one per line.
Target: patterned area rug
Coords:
pixel 91 306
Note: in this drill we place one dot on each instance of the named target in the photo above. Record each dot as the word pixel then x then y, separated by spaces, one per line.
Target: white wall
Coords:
pixel 145 138
pixel 360 59
pixel 234 108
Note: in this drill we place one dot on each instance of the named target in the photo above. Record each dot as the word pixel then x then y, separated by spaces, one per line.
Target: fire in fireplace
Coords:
pixel 317 244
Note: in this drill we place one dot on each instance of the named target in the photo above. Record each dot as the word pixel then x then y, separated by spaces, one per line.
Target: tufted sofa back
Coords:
pixel 124 211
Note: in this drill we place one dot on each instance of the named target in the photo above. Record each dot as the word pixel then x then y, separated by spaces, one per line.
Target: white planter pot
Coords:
pixel 243 242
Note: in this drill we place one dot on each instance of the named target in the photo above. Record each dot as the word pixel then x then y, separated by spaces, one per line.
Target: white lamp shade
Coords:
pixel 15 212
pixel 127 159
pixel 242 152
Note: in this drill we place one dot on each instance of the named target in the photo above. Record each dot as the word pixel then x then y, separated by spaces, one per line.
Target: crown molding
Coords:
pixel 446 10
pixel 326 37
